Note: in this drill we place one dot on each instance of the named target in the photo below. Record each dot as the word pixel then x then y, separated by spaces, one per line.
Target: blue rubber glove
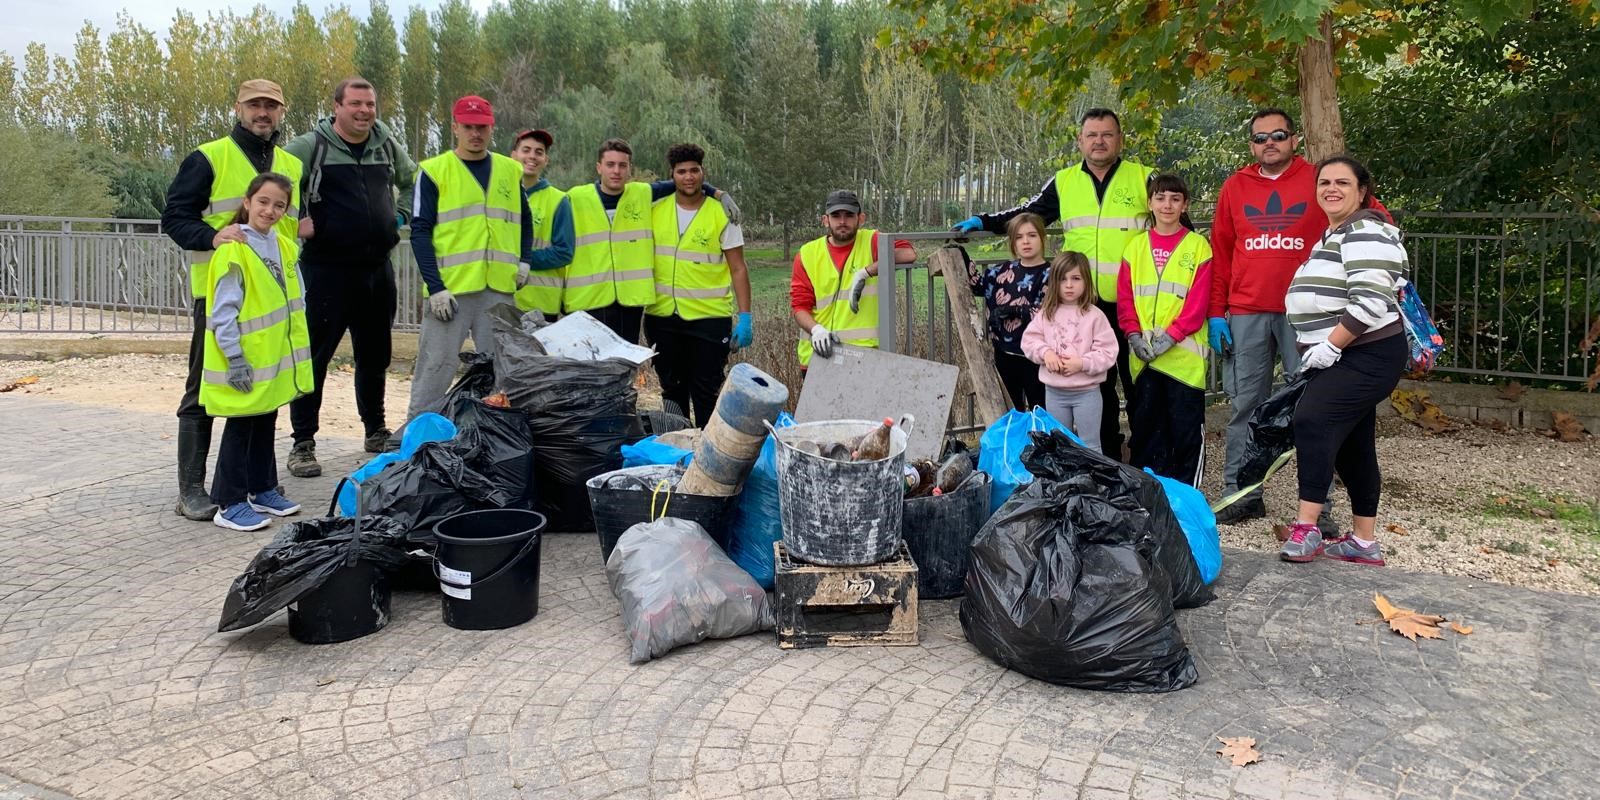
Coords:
pixel 969 225
pixel 1220 332
pixel 743 331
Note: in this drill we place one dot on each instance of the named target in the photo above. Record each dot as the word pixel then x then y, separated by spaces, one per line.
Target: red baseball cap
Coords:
pixel 473 110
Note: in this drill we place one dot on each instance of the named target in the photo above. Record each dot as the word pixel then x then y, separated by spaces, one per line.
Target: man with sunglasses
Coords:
pixel 1267 221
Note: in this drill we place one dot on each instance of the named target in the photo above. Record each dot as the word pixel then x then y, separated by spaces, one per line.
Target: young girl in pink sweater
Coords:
pixel 1073 345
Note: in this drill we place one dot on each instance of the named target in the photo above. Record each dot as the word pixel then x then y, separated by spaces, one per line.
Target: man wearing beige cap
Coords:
pixel 208 189
pixel 472 238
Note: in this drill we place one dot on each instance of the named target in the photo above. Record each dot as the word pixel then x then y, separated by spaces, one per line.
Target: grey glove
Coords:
pixel 1160 342
pixel 822 340
pixel 858 284
pixel 442 304
pixel 523 270
pixel 1140 348
pixel 735 216
pixel 240 376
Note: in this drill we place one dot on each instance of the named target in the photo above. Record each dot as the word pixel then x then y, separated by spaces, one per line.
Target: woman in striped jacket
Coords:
pixel 1346 319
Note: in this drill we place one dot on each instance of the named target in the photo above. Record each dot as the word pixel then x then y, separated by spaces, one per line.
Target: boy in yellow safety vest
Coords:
pixel 552 225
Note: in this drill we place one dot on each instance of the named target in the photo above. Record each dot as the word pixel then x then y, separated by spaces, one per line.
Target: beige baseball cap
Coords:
pixel 260 87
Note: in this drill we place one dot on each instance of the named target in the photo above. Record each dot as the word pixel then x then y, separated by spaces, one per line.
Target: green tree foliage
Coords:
pixel 301 71
pixel 134 82
pixel 45 174
pixel 84 86
pixel 378 59
pixel 37 86
pixel 418 81
pixel 903 113
pixel 8 89
pixel 458 49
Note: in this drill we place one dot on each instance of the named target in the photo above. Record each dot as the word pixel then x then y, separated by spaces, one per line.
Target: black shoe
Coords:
pixel 303 460
pixel 376 441
pixel 194 444
pixel 1243 510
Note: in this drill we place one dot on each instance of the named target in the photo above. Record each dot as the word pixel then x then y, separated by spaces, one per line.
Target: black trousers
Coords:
pixel 1167 425
pixel 245 464
pixel 1021 379
pixel 190 406
pixel 1110 418
pixel 689 362
pixel 361 299
pixel 621 319
pixel 1335 424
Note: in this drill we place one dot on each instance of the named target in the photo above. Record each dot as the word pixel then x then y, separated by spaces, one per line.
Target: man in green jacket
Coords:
pixel 353 165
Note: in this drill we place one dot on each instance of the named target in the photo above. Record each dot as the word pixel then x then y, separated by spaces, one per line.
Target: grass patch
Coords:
pixel 1577 514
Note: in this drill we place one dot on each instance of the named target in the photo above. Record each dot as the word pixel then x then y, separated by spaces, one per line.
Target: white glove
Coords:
pixel 442 304
pixel 822 340
pixel 1321 356
pixel 858 284
pixel 730 208
pixel 522 273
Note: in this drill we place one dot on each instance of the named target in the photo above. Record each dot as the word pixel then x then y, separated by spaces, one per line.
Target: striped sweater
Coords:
pixel 1349 280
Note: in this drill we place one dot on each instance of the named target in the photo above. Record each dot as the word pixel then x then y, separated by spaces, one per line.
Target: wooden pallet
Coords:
pixel 846 606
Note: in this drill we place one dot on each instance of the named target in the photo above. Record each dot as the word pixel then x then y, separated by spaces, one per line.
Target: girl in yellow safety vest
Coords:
pixel 258 355
pixel 1163 288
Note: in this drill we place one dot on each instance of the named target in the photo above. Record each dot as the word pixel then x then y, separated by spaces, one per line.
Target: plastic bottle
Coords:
pixel 875 445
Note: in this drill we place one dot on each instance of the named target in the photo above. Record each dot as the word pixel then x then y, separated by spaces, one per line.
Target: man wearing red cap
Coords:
pixel 472 237
pixel 553 239
pixel 201 202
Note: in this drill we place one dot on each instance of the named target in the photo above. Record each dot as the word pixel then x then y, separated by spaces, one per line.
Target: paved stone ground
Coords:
pixel 114 683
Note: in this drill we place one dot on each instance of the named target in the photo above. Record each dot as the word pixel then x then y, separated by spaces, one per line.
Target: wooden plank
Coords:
pixel 872 605
pixel 972 330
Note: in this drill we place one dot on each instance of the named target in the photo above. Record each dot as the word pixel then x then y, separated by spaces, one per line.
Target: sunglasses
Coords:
pixel 1279 135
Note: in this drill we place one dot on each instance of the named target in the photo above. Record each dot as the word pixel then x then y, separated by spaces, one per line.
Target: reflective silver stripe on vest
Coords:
pixel 1136 223
pixel 580 281
pixel 1111 268
pixel 224 205
pixel 540 279
pixel 267 320
pixel 629 236
pixel 1177 290
pixel 504 215
pixel 857 333
pixel 1198 348
pixel 668 251
pixel 1087 220
pixel 633 274
pixel 261 374
pixel 464 212
pixel 693 294
pixel 471 256
pixel 594 238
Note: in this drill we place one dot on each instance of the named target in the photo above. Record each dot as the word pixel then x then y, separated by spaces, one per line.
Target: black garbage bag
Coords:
pixel 301 557
pixel 498 444
pixel 1271 432
pixel 436 482
pixel 476 381
pixel 656 423
pixel 1064 586
pixel 1056 457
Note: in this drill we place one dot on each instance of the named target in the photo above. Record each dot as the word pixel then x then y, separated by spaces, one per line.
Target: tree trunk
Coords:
pixel 1319 95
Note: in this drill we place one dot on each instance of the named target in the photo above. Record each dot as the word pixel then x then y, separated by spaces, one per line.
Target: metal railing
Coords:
pixel 1513 294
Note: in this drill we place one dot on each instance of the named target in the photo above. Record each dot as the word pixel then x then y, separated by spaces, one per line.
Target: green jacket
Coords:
pixel 351 199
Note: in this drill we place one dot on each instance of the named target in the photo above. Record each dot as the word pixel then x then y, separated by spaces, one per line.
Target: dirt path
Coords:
pixel 1513 506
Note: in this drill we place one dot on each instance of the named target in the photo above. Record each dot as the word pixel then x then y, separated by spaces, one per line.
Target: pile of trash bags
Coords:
pixel 1075 579
pixel 301 557
pixel 677 587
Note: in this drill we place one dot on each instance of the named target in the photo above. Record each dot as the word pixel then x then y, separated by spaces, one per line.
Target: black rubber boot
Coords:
pixel 194 444
pixel 1243 510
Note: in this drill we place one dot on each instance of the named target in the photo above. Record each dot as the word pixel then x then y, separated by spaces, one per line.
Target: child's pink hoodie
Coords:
pixel 1074 333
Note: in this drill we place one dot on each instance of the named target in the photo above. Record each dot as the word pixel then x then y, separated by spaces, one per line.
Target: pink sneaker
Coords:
pixel 1345 548
pixel 1304 543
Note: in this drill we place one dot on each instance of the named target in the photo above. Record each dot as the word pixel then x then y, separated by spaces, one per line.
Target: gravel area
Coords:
pixel 1507 506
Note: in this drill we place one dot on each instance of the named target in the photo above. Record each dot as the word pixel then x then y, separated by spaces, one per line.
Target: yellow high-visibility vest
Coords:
pixel 613 262
pixel 477 235
pixel 832 288
pixel 272 333
pixel 691 277
pixel 231 174
pixel 1158 298
pixel 1100 229
pixel 543 290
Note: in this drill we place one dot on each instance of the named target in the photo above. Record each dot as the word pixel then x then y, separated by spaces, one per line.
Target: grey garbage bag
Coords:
pixel 677 587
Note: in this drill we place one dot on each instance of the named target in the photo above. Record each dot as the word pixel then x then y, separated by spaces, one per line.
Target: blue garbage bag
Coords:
pixel 427 427
pixel 1000 450
pixel 1198 522
pixel 648 452
pixel 757 523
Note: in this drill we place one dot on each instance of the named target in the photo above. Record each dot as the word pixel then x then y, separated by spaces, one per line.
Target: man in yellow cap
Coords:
pixel 201 202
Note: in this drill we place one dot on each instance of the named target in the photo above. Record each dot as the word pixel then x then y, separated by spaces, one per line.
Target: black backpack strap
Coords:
pixel 319 154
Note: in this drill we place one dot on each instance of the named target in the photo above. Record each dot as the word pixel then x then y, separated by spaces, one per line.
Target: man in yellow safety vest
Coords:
pixel 552 224
pixel 699 274
pixel 1100 203
pixel 201 202
pixel 820 293
pixel 472 237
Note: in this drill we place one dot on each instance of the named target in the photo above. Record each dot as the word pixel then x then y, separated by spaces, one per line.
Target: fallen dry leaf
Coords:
pixel 1397 529
pixel 1512 391
pixel 1568 428
pixel 19 383
pixel 1464 630
pixel 1240 749
pixel 1552 562
pixel 1406 622
pixel 1483 548
pixel 1415 406
pixel 1281 531
pixel 325 680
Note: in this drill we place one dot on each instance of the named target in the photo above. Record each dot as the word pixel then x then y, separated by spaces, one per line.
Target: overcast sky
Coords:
pixel 56 22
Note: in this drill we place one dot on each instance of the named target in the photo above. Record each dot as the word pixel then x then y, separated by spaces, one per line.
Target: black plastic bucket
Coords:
pixel 939 532
pixel 352 603
pixel 622 498
pixel 488 567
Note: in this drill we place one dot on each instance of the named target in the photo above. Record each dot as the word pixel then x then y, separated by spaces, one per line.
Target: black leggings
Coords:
pixel 1021 379
pixel 1335 424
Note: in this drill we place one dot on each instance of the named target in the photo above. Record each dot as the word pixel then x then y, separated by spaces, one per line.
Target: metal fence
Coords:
pixel 1513 294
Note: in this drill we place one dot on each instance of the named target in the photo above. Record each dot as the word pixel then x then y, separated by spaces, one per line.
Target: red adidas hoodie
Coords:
pixel 1264 230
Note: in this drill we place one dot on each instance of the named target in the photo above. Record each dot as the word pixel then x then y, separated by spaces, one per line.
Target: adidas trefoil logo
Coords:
pixel 1274 217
